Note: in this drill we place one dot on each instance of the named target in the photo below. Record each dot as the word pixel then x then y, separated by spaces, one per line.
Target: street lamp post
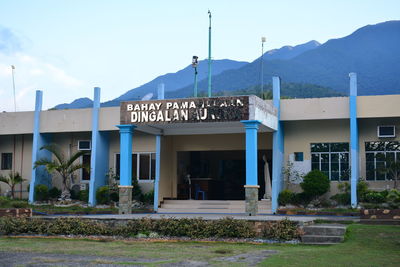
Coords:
pixel 263 40
pixel 195 63
pixel 13 80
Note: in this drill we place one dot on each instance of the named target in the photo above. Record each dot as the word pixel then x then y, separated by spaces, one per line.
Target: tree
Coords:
pixel 12 180
pixel 65 167
pixel 391 169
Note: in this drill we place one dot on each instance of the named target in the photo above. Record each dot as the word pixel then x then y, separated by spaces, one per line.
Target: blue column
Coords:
pixel 354 145
pixel 126 132
pixel 39 174
pixel 251 127
pixel 158 155
pixel 277 146
pixel 100 150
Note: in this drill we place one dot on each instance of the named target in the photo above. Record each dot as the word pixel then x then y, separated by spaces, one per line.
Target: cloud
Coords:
pixel 10 42
pixel 33 73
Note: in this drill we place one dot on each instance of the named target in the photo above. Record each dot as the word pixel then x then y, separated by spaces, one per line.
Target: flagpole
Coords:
pixel 209 55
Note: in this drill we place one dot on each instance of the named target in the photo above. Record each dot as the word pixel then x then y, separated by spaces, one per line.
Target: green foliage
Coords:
pixel 190 227
pixel 62 165
pixel 41 192
pixel 54 193
pixel 301 199
pixel 286 197
pixel 136 190
pixel 342 198
pixel 84 195
pixel 393 198
pixel 374 197
pixel 12 180
pixel 315 184
pixel 103 195
pixel 149 197
pixel 4 202
pixel 282 230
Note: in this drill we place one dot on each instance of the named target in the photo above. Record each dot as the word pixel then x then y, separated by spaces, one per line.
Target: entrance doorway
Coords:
pixel 217 175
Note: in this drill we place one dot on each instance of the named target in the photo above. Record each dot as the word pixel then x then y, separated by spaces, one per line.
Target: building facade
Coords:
pixel 344 137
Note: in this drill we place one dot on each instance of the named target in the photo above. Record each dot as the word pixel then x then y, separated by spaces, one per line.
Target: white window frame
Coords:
pixel 85 149
pixel 330 161
pixel 386 136
pixel 375 152
pixel 138 165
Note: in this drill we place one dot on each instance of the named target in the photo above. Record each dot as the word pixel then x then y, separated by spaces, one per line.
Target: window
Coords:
pixel 332 159
pixel 85 172
pixel 143 165
pixel 6 161
pixel 386 131
pixel 298 156
pixel 84 145
pixel 376 154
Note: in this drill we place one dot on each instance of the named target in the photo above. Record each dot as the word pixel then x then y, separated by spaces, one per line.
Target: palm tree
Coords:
pixel 65 167
pixel 12 180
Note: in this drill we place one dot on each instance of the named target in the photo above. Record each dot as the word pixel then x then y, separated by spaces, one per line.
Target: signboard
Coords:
pixel 190 110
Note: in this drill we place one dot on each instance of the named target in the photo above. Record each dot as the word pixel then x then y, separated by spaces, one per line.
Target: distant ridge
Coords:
pixel 373 52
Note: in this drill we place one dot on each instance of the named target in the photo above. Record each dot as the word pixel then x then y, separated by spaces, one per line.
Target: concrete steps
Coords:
pixel 323 234
pixel 210 206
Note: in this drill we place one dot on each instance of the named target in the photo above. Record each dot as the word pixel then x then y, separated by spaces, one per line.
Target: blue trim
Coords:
pixel 158 155
pixel 277 147
pixel 100 149
pixel 39 175
pixel 251 127
pixel 126 132
pixel 354 145
pixel 157 178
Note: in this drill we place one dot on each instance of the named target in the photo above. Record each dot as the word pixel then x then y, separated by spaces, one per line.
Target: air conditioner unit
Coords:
pixel 84 145
pixel 387 131
pixel 84 187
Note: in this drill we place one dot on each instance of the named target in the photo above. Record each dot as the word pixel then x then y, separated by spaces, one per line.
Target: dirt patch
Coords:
pixel 251 258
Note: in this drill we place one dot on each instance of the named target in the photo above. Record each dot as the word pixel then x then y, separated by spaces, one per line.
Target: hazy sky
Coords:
pixel 66 47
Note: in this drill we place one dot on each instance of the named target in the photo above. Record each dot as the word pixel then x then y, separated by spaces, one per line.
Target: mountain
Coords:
pixel 184 77
pixel 373 52
pixel 289 52
pixel 77 103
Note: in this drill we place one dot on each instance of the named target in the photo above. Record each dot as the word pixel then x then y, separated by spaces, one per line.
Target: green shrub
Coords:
pixel 315 184
pixel 4 202
pixel 301 199
pixel 20 204
pixel 149 197
pixel 84 195
pixel 103 195
pixel 41 192
pixel 74 194
pixel 342 198
pixel 374 197
pixel 54 193
pixel 286 197
pixel 393 198
pixel 282 230
pixel 136 190
pixel 114 196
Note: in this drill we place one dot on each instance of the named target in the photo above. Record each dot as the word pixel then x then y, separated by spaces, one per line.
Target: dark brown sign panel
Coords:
pixel 216 109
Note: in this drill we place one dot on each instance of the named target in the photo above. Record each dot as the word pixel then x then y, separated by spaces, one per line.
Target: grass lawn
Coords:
pixel 365 245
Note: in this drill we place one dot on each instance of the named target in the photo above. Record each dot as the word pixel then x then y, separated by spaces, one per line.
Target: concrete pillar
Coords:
pixel 160 93
pixel 277 147
pixel 125 187
pixel 99 154
pixel 251 187
pixel 354 145
pixel 39 174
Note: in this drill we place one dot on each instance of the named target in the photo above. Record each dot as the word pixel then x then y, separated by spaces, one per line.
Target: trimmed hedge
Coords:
pixel 193 228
